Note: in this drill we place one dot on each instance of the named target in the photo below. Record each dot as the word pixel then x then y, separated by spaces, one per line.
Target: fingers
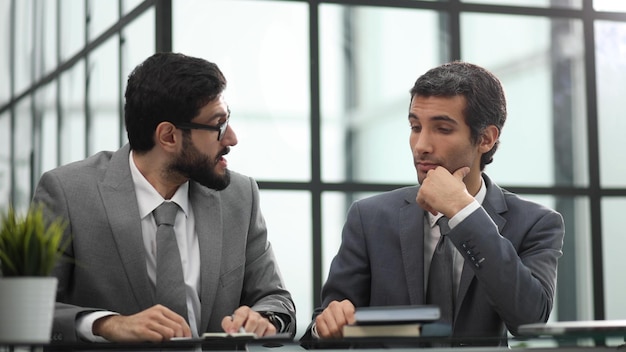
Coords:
pixel 155 324
pixel 443 192
pixel 461 173
pixel 330 323
pixel 248 320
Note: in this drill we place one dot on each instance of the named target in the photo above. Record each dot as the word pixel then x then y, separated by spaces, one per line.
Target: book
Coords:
pixel 384 330
pixel 384 315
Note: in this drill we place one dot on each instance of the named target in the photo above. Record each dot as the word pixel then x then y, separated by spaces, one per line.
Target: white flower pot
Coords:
pixel 26 309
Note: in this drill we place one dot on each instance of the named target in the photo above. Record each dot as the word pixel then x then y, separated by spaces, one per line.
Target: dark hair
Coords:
pixel 167 87
pixel 485 101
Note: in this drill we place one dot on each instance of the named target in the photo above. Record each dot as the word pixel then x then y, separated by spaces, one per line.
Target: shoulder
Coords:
pixel 385 203
pixel 512 204
pixel 81 169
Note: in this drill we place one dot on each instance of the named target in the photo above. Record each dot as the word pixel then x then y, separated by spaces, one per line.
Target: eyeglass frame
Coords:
pixel 221 128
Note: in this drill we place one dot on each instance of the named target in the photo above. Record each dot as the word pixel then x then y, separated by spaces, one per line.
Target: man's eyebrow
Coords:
pixel 444 118
pixel 219 115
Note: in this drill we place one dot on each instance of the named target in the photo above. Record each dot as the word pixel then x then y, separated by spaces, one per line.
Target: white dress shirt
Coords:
pixel 149 199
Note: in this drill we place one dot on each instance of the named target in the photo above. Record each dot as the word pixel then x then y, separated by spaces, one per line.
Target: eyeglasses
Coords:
pixel 221 128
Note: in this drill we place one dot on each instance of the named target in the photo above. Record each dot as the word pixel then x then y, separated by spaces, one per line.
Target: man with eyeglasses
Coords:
pixel 110 287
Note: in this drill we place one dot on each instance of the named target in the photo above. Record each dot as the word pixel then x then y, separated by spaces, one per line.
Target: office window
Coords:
pixel 539 61
pixel 134 49
pixel 611 75
pixel 609 5
pixel 47 34
pixel 72 22
pixel 102 15
pixel 24 36
pixel 334 209
pixel 5 159
pixel 289 231
pixel 369 59
pixel 72 124
pixel 5 58
pixel 46 149
pixel 613 242
pixel 22 149
pixel 262 49
pixel 104 95
pixel 538 3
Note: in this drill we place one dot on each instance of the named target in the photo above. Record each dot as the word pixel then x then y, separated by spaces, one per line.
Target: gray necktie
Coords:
pixel 439 290
pixel 170 282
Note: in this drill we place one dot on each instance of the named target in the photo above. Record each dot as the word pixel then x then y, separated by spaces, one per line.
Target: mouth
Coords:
pixel 220 157
pixel 425 166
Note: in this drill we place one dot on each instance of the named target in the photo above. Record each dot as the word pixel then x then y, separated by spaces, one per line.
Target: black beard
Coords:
pixel 198 167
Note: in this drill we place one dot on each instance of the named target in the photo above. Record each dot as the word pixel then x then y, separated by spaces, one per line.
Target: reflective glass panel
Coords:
pixel 613 243
pixel 609 5
pixel 369 60
pixel 129 5
pixel 5 160
pixel 48 50
pixel 610 48
pixel 102 15
pixel 335 206
pixel 72 13
pixel 104 98
pixel 289 232
pixel 5 52
pixel 23 52
pixel 541 65
pixel 577 4
pixel 262 48
pixel 47 155
pixel 137 45
pixel 23 152
pixel 72 119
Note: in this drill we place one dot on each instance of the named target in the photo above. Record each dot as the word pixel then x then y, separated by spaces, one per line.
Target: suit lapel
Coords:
pixel 120 205
pixel 208 217
pixel 411 220
pixel 494 204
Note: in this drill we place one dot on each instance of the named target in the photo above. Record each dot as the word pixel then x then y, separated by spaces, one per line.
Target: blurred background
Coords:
pixel 319 98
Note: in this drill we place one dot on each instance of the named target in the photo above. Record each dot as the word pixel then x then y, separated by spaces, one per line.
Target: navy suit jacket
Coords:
pixel 510 246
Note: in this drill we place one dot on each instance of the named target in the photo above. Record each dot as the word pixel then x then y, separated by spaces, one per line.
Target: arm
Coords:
pixel 518 272
pixel 516 266
pixel 263 288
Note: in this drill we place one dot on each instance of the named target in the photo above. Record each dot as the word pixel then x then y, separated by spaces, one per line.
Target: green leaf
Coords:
pixel 29 245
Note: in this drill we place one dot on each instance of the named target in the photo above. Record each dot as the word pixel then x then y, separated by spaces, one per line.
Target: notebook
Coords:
pixel 579 327
pixel 396 314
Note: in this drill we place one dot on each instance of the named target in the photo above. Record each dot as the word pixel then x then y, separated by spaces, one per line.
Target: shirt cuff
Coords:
pixel 463 214
pixel 84 325
pixel 314 331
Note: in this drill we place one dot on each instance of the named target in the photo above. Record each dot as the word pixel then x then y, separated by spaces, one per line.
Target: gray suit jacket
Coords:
pixel 107 270
pixel 510 245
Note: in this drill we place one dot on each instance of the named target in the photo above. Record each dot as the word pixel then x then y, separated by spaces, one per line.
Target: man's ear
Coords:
pixel 166 136
pixel 488 138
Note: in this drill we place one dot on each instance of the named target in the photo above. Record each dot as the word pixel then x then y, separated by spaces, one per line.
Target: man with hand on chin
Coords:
pixel 118 284
pixel 501 261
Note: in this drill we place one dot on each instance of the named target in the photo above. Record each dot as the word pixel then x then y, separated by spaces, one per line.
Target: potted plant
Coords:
pixel 29 248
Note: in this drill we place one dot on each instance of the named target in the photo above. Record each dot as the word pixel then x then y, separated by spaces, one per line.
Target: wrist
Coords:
pixel 276 320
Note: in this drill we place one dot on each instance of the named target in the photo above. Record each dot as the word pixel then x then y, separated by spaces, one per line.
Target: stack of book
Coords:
pixel 391 321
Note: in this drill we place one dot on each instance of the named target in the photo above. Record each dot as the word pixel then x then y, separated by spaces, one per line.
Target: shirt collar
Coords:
pixel 148 198
pixel 480 197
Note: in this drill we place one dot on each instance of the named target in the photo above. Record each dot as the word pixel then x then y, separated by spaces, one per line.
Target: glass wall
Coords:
pixel 319 98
